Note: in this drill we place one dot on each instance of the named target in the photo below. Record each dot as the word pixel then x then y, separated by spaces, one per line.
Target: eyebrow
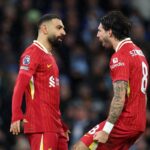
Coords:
pixel 60 26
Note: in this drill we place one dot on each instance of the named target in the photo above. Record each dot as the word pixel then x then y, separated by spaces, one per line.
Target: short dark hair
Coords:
pixel 118 23
pixel 47 17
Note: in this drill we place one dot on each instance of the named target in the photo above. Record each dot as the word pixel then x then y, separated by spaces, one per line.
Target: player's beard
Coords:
pixel 106 43
pixel 55 41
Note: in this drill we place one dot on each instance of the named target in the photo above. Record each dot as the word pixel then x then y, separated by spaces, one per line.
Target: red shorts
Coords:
pixel 119 139
pixel 47 141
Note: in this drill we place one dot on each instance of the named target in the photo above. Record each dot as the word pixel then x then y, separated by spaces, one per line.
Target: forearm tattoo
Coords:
pixel 117 104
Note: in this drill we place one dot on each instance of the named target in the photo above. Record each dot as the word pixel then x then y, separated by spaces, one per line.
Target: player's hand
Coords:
pixel 67 134
pixel 101 136
pixel 15 127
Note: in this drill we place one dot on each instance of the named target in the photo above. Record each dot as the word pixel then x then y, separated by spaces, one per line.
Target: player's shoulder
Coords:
pixel 118 59
pixel 131 50
pixel 32 51
pixel 117 55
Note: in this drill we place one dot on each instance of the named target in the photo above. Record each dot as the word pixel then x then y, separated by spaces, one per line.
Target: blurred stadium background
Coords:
pixel 86 88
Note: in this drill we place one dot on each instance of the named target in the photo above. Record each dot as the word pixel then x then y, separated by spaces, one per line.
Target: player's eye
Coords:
pixel 59 27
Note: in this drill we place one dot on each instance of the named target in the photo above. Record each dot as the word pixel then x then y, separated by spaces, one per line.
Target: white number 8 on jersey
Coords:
pixel 144 78
pixel 93 130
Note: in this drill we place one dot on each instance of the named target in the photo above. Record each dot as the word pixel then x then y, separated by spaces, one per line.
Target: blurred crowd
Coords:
pixel 86 87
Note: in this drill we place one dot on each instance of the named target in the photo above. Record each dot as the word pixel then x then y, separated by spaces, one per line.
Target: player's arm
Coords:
pixel 116 107
pixel 28 65
pixel 117 104
pixel 66 129
pixel 17 114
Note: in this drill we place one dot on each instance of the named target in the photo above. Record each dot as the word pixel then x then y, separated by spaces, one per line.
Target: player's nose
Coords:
pixel 97 34
pixel 63 32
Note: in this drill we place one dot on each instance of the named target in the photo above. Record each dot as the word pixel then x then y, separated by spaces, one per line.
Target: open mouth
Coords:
pixel 60 39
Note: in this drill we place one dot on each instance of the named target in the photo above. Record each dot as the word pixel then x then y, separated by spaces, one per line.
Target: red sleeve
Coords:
pixel 21 83
pixel 119 67
pixel 28 65
pixel 64 126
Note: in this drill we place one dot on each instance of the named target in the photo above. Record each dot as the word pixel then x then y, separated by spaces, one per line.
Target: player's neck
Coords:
pixel 46 44
pixel 115 43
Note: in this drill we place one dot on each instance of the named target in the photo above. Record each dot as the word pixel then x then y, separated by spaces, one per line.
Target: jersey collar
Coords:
pixel 121 43
pixel 39 45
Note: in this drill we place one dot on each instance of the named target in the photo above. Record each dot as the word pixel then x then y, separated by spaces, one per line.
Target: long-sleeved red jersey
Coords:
pixel 129 64
pixel 38 78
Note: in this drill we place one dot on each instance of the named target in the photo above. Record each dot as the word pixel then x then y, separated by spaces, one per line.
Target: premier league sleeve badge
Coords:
pixel 26 60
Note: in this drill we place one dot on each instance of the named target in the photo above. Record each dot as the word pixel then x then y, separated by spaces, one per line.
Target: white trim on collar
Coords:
pixel 39 45
pixel 121 43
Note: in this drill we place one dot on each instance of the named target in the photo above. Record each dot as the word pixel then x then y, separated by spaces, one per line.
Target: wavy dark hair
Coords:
pixel 118 23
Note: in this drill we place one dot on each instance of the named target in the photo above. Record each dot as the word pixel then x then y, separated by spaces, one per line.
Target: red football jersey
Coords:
pixel 42 92
pixel 129 64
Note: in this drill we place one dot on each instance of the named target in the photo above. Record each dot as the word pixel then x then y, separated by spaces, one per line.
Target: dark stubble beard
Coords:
pixel 106 43
pixel 53 40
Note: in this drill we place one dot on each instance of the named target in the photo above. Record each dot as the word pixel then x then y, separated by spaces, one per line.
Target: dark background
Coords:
pixel 86 88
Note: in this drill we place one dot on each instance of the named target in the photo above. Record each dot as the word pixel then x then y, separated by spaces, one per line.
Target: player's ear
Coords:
pixel 44 29
pixel 110 32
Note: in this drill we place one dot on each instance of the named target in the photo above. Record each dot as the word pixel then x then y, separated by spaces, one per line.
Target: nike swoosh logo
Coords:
pixel 49 65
